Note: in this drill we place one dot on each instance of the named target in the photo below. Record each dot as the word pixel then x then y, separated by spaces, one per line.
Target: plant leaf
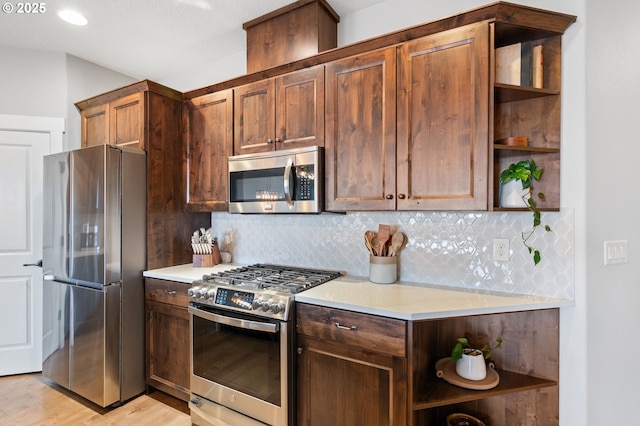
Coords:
pixel 536 257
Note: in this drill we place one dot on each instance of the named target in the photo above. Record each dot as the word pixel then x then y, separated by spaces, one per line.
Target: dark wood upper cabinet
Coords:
pixel 285 112
pixel 443 110
pixel 360 136
pixel 300 101
pixel 94 123
pixel 208 137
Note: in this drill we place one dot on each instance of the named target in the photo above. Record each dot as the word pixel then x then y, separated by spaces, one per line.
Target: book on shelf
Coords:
pixel 508 64
pixel 520 64
pixel 537 72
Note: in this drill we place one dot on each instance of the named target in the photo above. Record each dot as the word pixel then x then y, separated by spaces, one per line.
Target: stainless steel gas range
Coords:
pixel 242 344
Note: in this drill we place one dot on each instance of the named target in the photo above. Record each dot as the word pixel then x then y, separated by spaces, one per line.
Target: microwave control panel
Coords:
pixel 305 178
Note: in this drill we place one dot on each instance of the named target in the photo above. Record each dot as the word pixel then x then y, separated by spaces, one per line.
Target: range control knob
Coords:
pixel 195 292
pixel 256 304
pixel 266 305
pixel 276 308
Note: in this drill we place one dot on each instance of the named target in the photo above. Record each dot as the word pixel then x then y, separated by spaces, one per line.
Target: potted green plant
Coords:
pixel 471 362
pixel 525 172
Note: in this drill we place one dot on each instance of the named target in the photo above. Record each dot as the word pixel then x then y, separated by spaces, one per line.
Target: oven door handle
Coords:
pixel 267 327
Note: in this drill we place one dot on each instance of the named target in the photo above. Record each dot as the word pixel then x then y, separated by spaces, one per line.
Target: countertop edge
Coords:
pixel 422 316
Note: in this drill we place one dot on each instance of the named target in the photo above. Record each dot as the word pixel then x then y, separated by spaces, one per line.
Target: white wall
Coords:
pixel 46 84
pixel 613 144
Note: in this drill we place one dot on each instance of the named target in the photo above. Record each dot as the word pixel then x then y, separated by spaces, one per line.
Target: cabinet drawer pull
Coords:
pixel 344 327
pixel 170 292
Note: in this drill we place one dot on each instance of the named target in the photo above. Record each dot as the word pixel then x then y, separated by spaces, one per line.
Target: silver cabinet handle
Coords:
pixel 344 327
pixel 169 292
pixel 269 141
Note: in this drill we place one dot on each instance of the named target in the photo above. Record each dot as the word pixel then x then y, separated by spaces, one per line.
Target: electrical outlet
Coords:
pixel 501 249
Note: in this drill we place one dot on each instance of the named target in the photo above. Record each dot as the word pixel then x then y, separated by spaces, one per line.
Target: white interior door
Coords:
pixel 23 143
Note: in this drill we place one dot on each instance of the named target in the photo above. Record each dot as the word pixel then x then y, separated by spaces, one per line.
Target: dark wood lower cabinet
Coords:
pixel 342 385
pixel 357 369
pixel 167 335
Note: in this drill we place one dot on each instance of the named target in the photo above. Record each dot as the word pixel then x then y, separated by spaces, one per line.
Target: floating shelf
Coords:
pixel 438 393
pixel 511 93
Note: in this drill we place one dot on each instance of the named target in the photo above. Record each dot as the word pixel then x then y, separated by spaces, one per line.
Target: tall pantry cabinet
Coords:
pixel 147 115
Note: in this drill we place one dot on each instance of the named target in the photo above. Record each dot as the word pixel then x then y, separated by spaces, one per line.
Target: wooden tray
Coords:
pixel 446 369
pixel 514 141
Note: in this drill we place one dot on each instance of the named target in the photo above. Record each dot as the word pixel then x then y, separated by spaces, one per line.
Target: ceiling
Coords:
pixel 146 38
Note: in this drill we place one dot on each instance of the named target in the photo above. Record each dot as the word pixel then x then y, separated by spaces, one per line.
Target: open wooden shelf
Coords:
pixel 438 393
pixel 525 148
pixel 511 93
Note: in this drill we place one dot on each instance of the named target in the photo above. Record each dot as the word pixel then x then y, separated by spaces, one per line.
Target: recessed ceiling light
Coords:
pixel 72 17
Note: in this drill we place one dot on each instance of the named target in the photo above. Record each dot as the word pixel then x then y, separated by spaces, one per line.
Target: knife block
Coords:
pixel 209 259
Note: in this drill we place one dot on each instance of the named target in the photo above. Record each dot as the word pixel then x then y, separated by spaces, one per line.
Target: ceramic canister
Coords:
pixel 383 269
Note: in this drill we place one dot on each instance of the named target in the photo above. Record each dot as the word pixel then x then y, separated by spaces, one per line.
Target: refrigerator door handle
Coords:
pixel 38 263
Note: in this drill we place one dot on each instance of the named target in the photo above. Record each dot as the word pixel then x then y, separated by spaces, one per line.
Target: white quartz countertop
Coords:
pixel 412 301
pixel 186 273
pixel 407 301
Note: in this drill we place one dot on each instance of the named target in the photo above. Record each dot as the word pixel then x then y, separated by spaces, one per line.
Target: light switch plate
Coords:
pixel 615 252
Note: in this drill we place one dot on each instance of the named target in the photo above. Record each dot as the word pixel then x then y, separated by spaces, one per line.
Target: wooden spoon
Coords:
pixel 367 243
pixel 397 241
pixel 383 237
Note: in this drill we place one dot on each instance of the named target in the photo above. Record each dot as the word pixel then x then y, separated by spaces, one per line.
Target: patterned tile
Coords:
pixel 446 248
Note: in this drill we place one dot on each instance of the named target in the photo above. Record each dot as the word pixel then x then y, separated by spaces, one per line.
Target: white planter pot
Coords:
pixel 472 367
pixel 511 195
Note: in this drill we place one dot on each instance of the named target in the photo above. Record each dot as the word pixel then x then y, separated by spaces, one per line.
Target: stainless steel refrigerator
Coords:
pixel 94 252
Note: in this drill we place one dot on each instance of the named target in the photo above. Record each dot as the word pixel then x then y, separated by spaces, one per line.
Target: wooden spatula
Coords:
pixel 383 237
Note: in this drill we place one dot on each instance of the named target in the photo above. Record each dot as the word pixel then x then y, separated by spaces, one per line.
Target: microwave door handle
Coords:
pixel 287 188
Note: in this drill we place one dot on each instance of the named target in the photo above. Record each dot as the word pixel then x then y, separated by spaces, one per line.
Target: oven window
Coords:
pixel 245 360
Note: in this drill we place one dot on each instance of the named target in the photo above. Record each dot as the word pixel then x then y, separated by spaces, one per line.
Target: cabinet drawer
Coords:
pixel 167 291
pixel 369 332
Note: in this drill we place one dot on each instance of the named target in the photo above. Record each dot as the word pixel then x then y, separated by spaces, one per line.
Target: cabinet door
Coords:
pixel 254 117
pixel 300 109
pixel 127 121
pixel 95 125
pixel 168 366
pixel 208 127
pixel 345 385
pixel 360 136
pixel 443 107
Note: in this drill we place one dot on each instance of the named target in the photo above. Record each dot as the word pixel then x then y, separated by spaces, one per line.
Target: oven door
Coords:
pixel 241 363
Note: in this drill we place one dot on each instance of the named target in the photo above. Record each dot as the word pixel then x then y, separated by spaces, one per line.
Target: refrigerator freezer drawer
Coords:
pixel 87 360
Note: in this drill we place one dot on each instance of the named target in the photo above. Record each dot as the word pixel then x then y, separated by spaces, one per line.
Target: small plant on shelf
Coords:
pixel 463 347
pixel 526 171
pixel 471 362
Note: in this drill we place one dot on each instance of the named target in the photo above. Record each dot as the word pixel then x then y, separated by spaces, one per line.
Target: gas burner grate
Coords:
pixel 273 277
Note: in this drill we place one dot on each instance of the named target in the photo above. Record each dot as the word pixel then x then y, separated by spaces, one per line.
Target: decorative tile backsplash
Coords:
pixel 452 249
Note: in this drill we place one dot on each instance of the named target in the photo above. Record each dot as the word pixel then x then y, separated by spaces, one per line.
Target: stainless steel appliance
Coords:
pixel 286 181
pixel 94 252
pixel 242 331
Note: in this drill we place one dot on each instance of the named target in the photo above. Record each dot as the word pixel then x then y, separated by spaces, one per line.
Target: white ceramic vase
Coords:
pixel 472 367
pixel 511 195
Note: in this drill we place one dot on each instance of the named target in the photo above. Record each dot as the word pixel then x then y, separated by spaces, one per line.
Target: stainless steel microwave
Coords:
pixel 286 181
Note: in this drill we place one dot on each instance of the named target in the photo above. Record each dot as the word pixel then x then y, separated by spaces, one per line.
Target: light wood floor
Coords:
pixel 30 399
